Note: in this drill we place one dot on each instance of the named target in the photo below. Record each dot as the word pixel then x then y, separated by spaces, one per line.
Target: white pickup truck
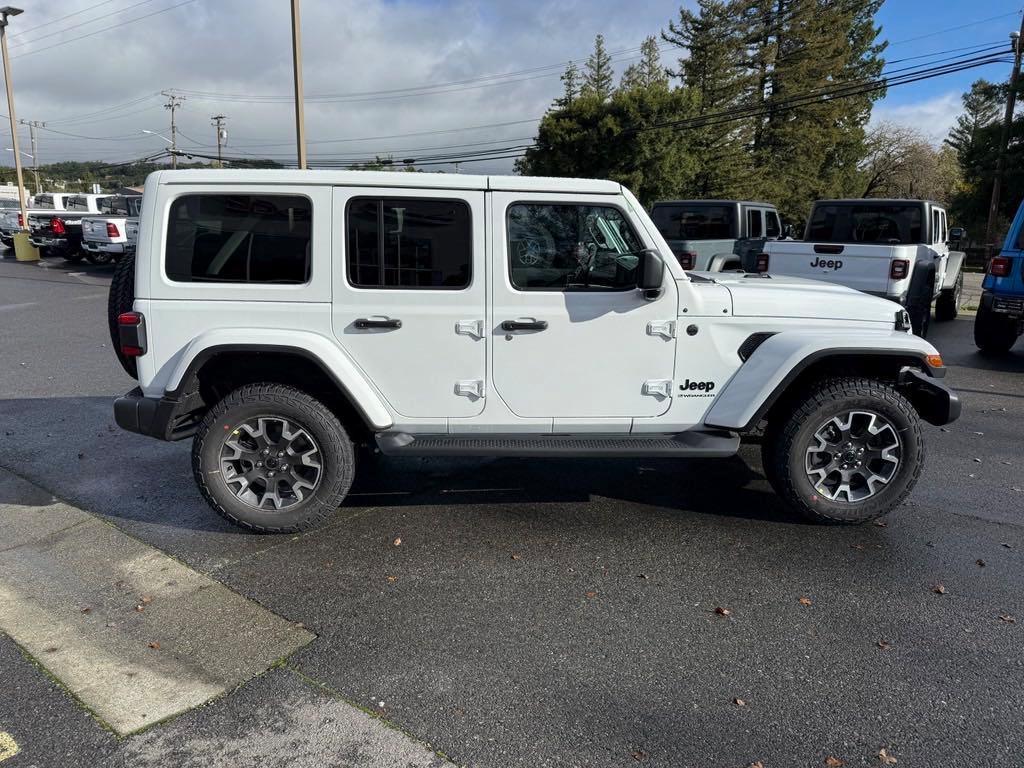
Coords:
pixel 897 249
pixel 11 221
pixel 105 237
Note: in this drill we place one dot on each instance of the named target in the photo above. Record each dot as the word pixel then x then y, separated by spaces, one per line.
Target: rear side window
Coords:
pixel 113 206
pixel 754 222
pixel 694 222
pixel 239 239
pixel 407 243
pixel 773 227
pixel 78 203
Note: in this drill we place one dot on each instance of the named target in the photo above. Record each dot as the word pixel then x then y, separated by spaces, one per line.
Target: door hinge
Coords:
pixel 471 388
pixel 658 387
pixel 664 328
pixel 474 328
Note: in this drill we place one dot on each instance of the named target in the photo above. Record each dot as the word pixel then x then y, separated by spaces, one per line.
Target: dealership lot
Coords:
pixel 542 612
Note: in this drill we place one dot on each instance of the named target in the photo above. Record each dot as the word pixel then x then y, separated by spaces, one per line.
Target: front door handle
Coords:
pixel 367 322
pixel 524 325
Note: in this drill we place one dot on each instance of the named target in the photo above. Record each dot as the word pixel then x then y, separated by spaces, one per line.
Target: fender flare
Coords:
pixel 321 351
pixel 954 265
pixel 780 359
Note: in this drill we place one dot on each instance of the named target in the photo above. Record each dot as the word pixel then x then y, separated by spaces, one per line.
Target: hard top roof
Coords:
pixel 715 201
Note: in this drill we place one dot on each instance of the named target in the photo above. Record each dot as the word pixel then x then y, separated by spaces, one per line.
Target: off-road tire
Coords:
pixel 267 399
pixel 919 300
pixel 993 333
pixel 947 306
pixel 784 449
pixel 73 257
pixel 121 298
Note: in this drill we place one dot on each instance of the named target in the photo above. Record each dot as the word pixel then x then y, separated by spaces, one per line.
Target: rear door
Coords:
pixel 409 296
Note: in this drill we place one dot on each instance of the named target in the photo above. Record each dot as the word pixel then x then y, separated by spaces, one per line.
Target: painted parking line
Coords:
pixel 13 307
pixel 134 634
pixel 8 746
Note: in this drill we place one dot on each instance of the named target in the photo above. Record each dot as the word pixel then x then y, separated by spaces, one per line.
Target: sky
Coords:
pixel 409 78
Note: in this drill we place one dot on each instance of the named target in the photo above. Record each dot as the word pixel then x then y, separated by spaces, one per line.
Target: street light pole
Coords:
pixel 300 119
pixel 1011 101
pixel 5 12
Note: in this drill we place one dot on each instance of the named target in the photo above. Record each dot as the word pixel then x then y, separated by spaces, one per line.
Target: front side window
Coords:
pixel 553 247
pixel 407 243
pixel 239 239
pixel 694 221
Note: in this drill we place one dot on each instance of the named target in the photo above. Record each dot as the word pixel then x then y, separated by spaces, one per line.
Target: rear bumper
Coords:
pixel 103 247
pixel 159 417
pixel 48 242
pixel 936 402
pixel 1005 305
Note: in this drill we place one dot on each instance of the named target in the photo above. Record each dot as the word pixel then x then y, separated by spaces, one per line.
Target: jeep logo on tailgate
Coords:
pixel 821 263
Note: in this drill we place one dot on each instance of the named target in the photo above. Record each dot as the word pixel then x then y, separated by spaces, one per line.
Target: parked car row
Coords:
pixel 76 226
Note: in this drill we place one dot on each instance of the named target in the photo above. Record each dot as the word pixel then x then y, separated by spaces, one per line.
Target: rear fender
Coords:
pixel 778 362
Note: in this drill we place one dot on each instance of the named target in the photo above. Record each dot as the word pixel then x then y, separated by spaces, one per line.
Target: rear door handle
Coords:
pixel 366 322
pixel 524 325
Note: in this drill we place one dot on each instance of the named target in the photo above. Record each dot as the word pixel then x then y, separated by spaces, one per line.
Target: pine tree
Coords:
pixel 981 109
pixel 571 84
pixel 598 80
pixel 648 72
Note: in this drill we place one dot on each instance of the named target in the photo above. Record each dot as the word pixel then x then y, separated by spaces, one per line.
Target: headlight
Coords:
pixel 903 320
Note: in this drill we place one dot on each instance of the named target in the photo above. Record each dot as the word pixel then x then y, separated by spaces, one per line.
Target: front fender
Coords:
pixel 315 347
pixel 954 264
pixel 779 360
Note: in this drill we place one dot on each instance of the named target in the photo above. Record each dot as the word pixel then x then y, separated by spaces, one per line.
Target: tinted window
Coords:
pixel 78 203
pixel 239 239
pixel 409 243
pixel 113 206
pixel 44 201
pixel 773 227
pixel 754 222
pixel 694 222
pixel 885 223
pixel 566 247
pixel 12 203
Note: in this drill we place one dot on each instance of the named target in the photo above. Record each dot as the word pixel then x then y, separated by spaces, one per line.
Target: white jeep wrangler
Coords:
pixel 284 318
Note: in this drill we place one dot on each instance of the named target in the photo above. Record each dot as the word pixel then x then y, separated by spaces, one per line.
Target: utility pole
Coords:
pixel 1011 103
pixel 222 135
pixel 32 125
pixel 173 102
pixel 5 12
pixel 300 119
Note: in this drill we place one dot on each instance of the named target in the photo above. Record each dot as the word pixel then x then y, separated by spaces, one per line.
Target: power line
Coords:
pixel 54 21
pixel 956 28
pixel 87 21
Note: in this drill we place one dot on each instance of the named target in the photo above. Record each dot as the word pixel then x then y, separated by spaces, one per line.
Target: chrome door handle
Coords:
pixel 524 325
pixel 366 322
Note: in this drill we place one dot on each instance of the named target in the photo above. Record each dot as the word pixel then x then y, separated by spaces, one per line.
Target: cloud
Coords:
pixel 931 117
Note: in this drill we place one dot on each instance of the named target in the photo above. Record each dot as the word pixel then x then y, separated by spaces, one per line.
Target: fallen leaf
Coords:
pixel 81 456
pixel 758 764
pixel 805 601
pixel 86 608
pixel 517 557
pixel 1006 544
pixel 642 576
pixel 981 563
pixel 939 589
pixel 1007 619
pixel 392 579
pixel 591 594
pixel 834 762
pixel 723 611
pixel 146 600
pixel 885 645
pixel 51 649
pixel 856 546
pixel 881 523
pixel 140 608
pixel 885 758
pixel 979 433
pixel 976 460
pixel 155 646
pixel 397 542
pixel 638 755
pixel 739 702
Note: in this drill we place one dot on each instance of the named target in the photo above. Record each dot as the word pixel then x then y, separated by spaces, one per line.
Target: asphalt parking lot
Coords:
pixel 550 612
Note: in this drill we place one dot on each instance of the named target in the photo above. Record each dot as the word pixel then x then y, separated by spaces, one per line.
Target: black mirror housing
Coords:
pixel 651 275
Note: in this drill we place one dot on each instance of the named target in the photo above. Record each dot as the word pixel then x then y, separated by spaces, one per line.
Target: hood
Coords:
pixel 778 296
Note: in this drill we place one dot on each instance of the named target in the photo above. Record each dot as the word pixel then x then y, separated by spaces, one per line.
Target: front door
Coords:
pixel 572 336
pixel 409 296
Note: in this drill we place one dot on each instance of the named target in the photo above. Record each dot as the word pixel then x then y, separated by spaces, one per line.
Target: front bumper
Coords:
pixel 116 248
pixel 161 417
pixel 936 402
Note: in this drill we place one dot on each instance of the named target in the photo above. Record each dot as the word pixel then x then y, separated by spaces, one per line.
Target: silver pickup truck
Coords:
pixel 10 218
pixel 105 238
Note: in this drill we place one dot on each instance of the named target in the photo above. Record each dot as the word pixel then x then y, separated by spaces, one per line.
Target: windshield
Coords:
pixel 882 223
pixel 694 221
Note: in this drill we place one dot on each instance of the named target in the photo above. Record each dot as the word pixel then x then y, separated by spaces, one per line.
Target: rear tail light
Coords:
pixel 899 269
pixel 999 266
pixel 58 227
pixel 761 265
pixel 131 331
pixel 21 221
pixel 112 230
pixel 687 260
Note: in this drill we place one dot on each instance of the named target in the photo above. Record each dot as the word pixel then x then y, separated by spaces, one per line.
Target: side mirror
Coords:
pixel 956 234
pixel 651 274
pixel 787 230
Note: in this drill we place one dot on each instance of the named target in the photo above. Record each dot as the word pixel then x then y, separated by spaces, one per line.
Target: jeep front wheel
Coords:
pixel 848 452
pixel 273 459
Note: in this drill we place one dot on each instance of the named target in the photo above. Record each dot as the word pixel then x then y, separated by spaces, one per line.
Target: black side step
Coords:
pixel 703 444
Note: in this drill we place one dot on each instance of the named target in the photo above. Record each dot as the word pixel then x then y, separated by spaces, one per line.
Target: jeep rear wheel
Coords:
pixel 848 452
pixel 994 334
pixel 273 459
pixel 948 304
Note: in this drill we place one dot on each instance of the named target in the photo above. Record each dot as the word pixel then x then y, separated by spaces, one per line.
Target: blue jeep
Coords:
pixel 1000 317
